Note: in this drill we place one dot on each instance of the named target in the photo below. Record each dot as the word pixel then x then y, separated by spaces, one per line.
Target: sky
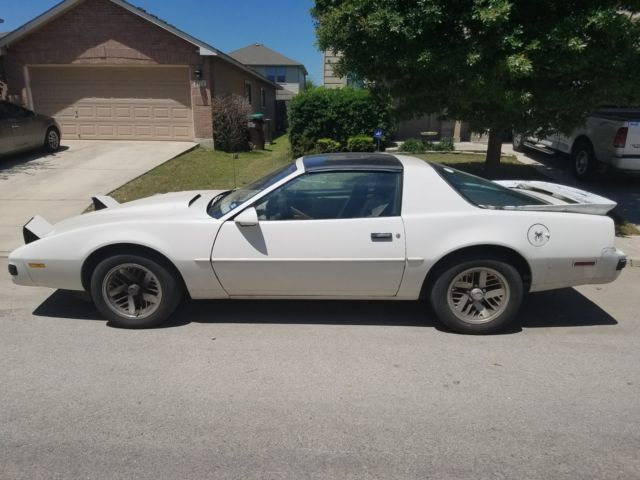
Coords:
pixel 283 25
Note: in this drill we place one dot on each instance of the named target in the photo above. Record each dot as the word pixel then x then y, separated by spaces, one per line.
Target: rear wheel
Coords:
pixel 583 160
pixel 52 140
pixel 477 295
pixel 133 291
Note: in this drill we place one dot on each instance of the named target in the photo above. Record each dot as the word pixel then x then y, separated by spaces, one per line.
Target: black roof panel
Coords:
pixel 351 161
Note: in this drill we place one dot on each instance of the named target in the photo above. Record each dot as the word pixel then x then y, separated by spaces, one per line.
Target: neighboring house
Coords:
pixel 406 129
pixel 290 74
pixel 106 69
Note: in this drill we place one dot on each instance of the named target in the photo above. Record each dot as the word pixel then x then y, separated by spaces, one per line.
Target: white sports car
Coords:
pixel 335 226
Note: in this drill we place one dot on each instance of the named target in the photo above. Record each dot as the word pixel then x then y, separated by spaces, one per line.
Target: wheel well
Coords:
pixel 581 139
pixel 494 251
pixel 126 249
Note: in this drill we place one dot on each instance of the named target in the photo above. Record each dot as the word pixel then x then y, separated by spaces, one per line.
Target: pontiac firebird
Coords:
pixel 335 226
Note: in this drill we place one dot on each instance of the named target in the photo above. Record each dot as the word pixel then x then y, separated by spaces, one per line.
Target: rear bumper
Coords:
pixel 630 164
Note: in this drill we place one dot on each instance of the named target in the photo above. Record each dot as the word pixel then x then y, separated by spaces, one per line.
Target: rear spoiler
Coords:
pixel 103 201
pixel 570 199
pixel 35 229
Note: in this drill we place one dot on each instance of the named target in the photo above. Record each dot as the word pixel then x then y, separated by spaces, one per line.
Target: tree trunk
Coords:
pixel 494 150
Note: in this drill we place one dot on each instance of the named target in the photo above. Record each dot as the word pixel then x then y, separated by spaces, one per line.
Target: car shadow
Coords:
pixel 558 308
pixel 30 160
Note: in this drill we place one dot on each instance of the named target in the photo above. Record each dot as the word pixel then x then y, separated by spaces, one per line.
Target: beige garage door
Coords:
pixel 123 103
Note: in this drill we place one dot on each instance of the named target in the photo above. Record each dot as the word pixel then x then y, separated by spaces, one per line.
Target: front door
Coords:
pixel 332 234
pixel 7 139
pixel 27 131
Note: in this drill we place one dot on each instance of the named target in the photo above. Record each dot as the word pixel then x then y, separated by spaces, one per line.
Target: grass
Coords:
pixel 206 169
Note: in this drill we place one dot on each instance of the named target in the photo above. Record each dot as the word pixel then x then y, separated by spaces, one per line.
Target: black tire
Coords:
pixel 583 160
pixel 444 293
pixel 150 276
pixel 52 140
pixel 517 142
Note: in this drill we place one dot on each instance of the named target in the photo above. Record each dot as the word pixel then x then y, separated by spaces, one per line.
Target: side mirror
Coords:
pixel 248 218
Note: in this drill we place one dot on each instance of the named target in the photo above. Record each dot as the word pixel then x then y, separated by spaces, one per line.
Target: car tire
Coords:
pixel 477 295
pixel 583 160
pixel 517 142
pixel 134 291
pixel 52 140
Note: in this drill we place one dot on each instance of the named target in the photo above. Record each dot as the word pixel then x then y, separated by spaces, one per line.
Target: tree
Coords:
pixel 497 64
pixel 309 84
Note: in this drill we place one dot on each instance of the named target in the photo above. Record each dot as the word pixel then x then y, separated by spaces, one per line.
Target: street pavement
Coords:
pixel 60 185
pixel 320 390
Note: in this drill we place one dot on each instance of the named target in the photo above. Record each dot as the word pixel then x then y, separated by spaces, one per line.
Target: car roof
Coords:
pixel 351 161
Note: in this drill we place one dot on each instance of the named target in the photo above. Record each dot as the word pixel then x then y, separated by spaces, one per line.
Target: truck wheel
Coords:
pixel 477 295
pixel 518 142
pixel 583 160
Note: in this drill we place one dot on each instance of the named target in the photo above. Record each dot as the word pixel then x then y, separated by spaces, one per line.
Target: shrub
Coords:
pixel 444 145
pixel 334 113
pixel 230 118
pixel 413 145
pixel 361 143
pixel 327 145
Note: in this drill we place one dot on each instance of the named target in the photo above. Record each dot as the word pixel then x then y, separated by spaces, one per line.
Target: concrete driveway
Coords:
pixel 320 390
pixel 60 185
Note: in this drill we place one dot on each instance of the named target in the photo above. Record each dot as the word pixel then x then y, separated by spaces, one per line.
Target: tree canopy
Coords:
pixel 497 64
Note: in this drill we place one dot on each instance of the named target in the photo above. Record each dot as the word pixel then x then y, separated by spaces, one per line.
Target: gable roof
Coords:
pixel 54 12
pixel 257 54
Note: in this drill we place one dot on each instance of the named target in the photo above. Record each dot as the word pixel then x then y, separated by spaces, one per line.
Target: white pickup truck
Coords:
pixel 609 138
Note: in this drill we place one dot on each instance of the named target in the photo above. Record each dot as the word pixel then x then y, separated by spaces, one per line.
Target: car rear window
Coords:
pixel 483 193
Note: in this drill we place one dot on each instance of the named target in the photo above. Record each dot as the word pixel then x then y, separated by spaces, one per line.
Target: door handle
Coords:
pixel 381 237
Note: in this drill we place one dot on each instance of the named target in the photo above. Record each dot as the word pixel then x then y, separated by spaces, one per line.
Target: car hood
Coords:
pixel 187 204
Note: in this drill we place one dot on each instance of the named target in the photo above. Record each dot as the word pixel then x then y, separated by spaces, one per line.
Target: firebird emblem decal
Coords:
pixel 538 235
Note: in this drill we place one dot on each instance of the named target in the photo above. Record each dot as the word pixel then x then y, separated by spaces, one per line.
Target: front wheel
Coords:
pixel 52 140
pixel 477 296
pixel 518 142
pixel 133 291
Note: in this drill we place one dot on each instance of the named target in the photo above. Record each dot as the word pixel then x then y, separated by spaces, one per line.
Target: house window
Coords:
pixel 247 92
pixel 263 98
pixel 277 74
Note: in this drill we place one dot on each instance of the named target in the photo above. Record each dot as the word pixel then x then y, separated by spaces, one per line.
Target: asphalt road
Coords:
pixel 331 390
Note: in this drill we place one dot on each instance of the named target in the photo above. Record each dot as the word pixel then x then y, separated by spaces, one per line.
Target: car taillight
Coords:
pixel 621 138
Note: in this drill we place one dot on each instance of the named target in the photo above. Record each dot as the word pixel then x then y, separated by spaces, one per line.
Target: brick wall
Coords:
pixel 97 32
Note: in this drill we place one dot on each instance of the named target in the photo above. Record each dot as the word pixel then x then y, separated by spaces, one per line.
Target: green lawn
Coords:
pixel 203 168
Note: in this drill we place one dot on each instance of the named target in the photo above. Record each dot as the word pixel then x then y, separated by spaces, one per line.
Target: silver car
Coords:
pixel 22 129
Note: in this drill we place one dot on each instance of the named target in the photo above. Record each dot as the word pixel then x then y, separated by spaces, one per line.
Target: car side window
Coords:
pixel 14 111
pixel 334 195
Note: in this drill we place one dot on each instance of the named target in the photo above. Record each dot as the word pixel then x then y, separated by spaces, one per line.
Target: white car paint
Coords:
pixel 219 258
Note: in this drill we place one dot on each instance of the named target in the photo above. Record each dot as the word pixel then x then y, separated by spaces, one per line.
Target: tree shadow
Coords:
pixel 558 308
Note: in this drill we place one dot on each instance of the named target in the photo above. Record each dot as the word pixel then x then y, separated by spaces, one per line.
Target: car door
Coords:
pixel 27 130
pixel 7 143
pixel 325 234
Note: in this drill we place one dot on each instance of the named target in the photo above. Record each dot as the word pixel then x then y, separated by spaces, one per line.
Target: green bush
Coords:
pixel 230 117
pixel 327 145
pixel 444 145
pixel 334 113
pixel 413 145
pixel 361 143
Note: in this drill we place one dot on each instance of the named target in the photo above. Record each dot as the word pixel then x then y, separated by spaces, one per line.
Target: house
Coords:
pixel 413 128
pixel 290 74
pixel 106 69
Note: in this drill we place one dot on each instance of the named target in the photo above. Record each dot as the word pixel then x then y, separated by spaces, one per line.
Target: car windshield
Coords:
pixel 224 203
pixel 483 193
